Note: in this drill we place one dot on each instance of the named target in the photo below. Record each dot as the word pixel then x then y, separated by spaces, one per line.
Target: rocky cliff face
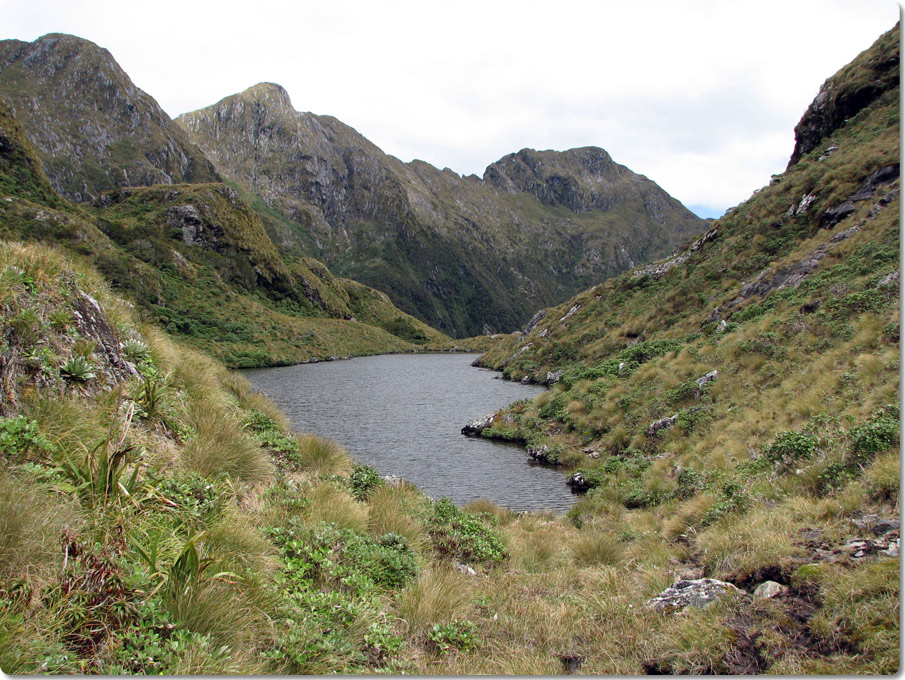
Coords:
pixel 468 256
pixel 872 74
pixel 93 128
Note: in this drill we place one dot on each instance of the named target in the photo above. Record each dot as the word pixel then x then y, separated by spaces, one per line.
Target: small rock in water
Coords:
pixel 475 427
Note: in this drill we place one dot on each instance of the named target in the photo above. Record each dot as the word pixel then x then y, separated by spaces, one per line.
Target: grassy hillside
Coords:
pixel 197 260
pixel 735 408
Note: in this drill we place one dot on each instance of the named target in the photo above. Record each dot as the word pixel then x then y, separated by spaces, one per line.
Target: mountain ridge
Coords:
pixel 459 253
pixel 323 175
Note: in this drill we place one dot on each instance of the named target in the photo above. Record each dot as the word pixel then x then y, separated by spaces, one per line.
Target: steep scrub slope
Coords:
pixel 197 260
pixel 465 255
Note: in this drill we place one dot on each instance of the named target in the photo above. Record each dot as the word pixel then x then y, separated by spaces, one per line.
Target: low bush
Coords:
pixel 464 536
pixel 791 446
pixel 363 480
pixel 21 439
pixel 878 434
pixel 456 634
pixel 345 559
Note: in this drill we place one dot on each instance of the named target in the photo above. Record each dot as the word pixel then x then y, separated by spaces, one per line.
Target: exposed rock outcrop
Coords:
pixel 475 427
pixel 663 424
pixel 698 593
pixel 842 96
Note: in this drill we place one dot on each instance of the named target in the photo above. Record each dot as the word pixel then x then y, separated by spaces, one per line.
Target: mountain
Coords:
pixel 196 259
pixel 465 255
pixel 733 412
pixel 93 128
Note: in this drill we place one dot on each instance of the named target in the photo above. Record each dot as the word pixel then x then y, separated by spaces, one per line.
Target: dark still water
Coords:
pixel 403 415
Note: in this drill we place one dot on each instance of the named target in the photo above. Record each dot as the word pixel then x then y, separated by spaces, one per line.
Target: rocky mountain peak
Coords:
pixel 581 180
pixel 92 127
pixel 269 94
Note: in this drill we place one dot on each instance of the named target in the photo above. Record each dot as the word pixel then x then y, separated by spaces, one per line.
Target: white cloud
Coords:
pixel 699 95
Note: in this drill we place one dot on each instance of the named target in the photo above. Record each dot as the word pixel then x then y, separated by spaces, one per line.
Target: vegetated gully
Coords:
pixel 403 413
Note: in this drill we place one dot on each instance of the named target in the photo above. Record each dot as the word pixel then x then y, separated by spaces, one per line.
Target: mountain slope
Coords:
pixel 197 260
pixel 735 407
pixel 93 128
pixel 463 254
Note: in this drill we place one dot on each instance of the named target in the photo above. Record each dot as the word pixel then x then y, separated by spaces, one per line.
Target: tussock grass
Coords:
pixel 67 422
pixel 881 479
pixel 438 596
pixel 239 546
pixel 482 505
pixel 219 447
pixel 321 456
pixel 331 504
pixel 537 544
pixel 396 509
pixel 596 545
pixel 686 518
pixel 739 546
pixel 228 615
pixel 31 524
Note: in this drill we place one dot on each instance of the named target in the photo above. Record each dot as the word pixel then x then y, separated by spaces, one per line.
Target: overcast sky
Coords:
pixel 700 96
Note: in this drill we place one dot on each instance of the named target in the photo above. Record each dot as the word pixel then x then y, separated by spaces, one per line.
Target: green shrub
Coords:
pixel 750 312
pixel 733 499
pixel 192 495
pixel 635 495
pixel 835 476
pixel 688 419
pixel 686 390
pixel 507 434
pixel 878 434
pixel 344 558
pixel 791 446
pixel 363 480
pixel 461 535
pixel 690 482
pixel 453 635
pixel 20 437
pixel 630 358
